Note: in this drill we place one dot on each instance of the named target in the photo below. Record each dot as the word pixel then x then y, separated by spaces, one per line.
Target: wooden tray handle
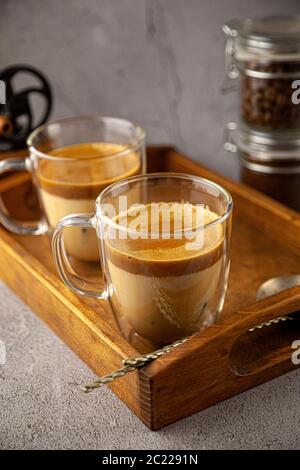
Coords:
pixel 267 336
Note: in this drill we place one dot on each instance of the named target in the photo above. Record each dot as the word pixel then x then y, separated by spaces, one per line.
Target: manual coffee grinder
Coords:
pixel 22 107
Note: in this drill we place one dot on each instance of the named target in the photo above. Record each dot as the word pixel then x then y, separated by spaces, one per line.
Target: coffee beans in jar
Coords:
pixel 265 55
pixel 267 102
pixel 269 161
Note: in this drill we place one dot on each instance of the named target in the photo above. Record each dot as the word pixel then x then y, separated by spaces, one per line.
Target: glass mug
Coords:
pixel 71 161
pixel 163 281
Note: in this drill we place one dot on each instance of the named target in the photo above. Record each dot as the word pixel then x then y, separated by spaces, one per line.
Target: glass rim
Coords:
pixel 174 175
pixel 108 119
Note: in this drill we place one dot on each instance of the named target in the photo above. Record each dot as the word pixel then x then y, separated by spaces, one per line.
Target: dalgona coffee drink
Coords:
pixel 71 161
pixel 73 187
pixel 164 241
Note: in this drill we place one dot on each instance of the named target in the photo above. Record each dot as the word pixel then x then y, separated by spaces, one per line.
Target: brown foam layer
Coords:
pixel 168 257
pixel 92 167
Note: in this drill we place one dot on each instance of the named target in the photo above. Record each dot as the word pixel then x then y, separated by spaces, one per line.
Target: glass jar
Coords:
pixel 269 161
pixel 265 55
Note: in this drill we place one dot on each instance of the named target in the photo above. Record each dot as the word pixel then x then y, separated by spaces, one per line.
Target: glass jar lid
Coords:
pixel 271 36
pixel 263 145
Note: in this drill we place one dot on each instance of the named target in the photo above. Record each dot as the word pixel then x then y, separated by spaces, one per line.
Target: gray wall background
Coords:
pixel 158 62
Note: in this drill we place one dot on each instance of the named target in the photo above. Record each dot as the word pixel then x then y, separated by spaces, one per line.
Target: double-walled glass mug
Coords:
pixel 71 162
pixel 164 243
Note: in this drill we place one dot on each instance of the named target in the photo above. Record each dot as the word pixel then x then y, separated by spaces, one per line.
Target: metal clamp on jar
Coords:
pixel 270 161
pixel 265 55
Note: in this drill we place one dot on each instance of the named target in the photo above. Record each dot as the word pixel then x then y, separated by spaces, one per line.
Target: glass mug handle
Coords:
pixel 71 279
pixel 16 226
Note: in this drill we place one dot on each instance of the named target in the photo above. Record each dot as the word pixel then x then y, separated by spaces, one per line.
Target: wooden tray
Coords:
pixel 221 362
pixel 13 154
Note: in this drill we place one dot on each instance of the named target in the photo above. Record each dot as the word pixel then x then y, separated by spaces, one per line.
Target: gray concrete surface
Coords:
pixel 42 407
pixel 160 63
